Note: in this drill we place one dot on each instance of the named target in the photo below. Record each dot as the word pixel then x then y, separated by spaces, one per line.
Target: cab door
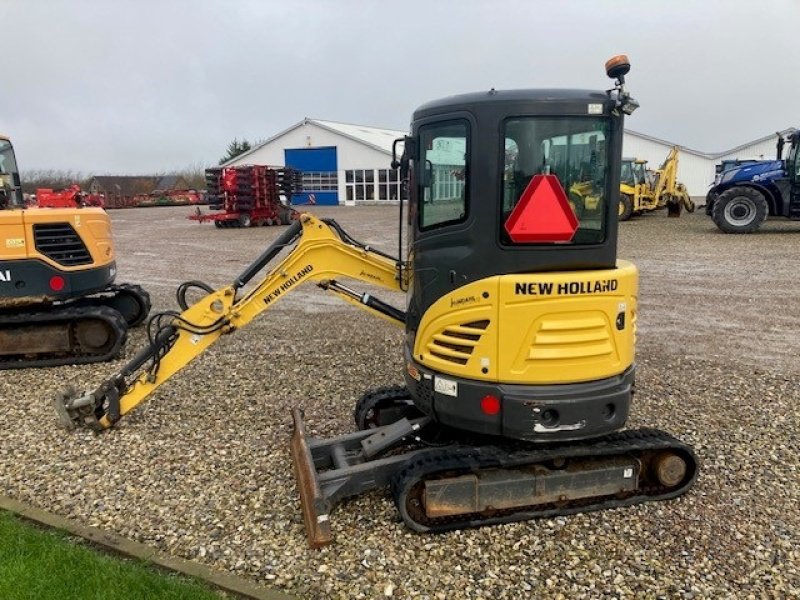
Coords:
pixel 794 174
pixel 441 245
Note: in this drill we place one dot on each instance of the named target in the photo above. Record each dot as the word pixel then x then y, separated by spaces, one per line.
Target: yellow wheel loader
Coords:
pixel 519 326
pixel 644 191
pixel 58 303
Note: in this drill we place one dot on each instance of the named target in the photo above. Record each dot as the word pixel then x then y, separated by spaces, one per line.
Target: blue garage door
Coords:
pixel 320 179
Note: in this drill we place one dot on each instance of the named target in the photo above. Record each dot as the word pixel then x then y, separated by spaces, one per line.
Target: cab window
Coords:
pixel 576 151
pixel 626 175
pixel 443 173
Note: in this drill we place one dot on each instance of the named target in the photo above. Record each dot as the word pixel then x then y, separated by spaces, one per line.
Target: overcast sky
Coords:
pixel 132 87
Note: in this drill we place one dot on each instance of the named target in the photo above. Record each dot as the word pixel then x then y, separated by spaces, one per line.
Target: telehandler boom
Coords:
pixel 520 326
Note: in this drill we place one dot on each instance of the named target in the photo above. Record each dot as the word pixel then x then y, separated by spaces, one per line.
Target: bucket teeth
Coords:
pixel 313 505
pixel 73 408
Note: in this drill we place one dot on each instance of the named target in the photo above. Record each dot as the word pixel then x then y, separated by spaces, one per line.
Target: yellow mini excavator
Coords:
pixel 520 326
pixel 58 303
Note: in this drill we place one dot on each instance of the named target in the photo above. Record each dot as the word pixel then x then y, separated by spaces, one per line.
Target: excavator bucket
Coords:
pixel 674 208
pixel 59 403
pixel 312 503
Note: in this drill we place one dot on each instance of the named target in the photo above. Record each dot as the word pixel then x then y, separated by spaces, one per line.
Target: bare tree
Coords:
pixel 50 178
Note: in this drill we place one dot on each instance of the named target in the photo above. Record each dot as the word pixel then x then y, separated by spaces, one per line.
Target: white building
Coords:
pixel 695 168
pixel 341 163
pixel 348 164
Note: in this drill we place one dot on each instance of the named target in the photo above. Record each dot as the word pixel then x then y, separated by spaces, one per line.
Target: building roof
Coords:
pixel 712 155
pixel 381 139
pixel 377 138
pixel 169 182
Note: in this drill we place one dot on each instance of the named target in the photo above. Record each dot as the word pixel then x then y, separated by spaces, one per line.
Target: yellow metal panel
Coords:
pixel 561 327
pixel 471 311
pixel 91 224
pixel 540 328
pixel 13 241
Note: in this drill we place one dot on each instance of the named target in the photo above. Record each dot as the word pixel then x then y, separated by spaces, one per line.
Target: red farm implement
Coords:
pixel 251 195
pixel 70 197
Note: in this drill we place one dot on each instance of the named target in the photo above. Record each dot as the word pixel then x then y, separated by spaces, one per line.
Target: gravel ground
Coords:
pixel 203 469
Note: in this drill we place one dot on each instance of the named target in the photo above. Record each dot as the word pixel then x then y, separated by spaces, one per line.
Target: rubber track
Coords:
pixel 71 314
pixel 141 295
pixel 374 397
pixel 467 459
pixel 99 299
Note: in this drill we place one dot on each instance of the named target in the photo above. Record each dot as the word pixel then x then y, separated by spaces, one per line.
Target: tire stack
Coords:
pixel 289 182
pixel 213 189
pixel 246 189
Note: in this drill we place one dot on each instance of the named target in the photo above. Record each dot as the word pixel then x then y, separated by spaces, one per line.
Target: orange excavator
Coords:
pixel 58 301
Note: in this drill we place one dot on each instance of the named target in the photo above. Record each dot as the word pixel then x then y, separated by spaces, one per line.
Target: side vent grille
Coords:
pixel 571 339
pixel 61 243
pixel 455 343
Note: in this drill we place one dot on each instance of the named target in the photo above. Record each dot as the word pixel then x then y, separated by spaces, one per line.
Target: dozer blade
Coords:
pixel 312 503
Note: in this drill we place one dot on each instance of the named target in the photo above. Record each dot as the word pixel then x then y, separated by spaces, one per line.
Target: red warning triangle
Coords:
pixel 543 213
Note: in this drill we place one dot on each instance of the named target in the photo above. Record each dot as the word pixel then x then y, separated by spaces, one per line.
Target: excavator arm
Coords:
pixel 322 252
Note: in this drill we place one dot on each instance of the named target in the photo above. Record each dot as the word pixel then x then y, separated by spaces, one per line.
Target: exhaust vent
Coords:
pixel 61 243
pixel 455 343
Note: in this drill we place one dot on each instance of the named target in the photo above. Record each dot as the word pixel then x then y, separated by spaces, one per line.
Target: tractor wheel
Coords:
pixel 739 210
pixel 218 224
pixel 625 207
pixel 244 220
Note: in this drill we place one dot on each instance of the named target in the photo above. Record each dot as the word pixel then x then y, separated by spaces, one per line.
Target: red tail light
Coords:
pixel 57 283
pixel 490 405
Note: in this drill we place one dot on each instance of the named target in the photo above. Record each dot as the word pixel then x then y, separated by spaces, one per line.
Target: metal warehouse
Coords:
pixel 348 164
pixel 341 163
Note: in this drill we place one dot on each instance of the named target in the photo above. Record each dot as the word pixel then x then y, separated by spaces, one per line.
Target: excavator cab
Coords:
pixel 10 186
pixel 640 172
pixel 515 295
pixel 626 176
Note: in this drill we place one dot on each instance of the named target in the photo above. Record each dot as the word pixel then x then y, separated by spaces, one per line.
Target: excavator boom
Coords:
pixel 323 252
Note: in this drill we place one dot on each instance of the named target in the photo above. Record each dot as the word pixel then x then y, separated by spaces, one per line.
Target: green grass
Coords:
pixel 40 564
